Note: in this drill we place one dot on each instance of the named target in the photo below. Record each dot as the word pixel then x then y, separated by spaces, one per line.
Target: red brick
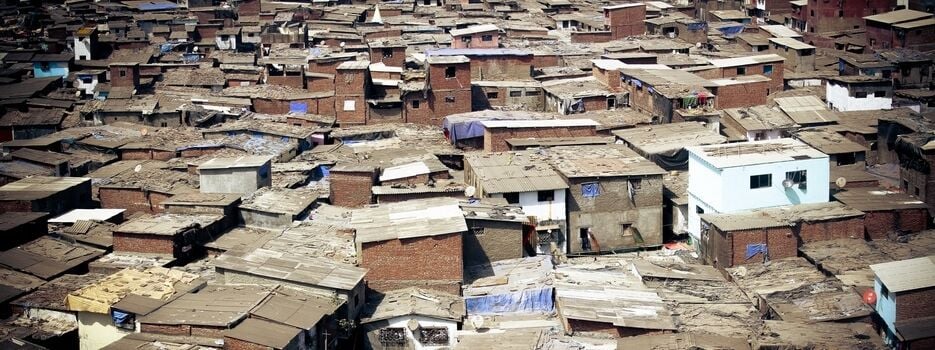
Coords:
pixel 351 189
pixel 432 262
pixel 138 243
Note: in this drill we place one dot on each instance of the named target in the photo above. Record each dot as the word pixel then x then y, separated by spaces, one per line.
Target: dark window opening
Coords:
pixel 450 72
pixel 415 104
pixel 516 93
pixel 879 94
pixel 546 196
pixel 532 93
pixel 584 234
pixel 123 73
pixel 387 52
pixel 699 210
pixel 487 37
pixel 798 177
pixel 767 69
pixel 860 94
pixel 741 70
pixel 917 191
pixel 512 197
pixel 164 124
pixel 905 185
pixel 450 99
pixel 493 95
pixel 761 181
pixel 611 103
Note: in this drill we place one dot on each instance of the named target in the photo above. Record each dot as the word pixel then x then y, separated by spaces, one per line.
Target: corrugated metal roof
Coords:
pixel 905 275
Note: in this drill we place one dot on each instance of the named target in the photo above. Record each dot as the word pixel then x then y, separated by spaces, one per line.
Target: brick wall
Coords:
pixel 476 41
pixel 392 198
pixel 915 304
pixel 350 109
pixel 913 220
pixel 461 80
pixel 131 76
pixel 141 243
pixel 316 84
pixel 488 241
pixel 608 328
pixel 144 154
pixel 742 95
pixel 433 262
pixel 248 8
pixel 322 106
pixel 879 224
pixel 134 200
pixel 412 180
pixel 728 248
pixel 827 230
pixel 627 21
pixel 591 37
pixel 776 77
pixel 396 59
pixel 351 189
pixel 495 138
pixel 237 344
pixel 181 330
pixel 296 81
pixel 501 67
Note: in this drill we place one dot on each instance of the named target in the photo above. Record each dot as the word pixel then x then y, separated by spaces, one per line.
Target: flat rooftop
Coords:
pixel 756 152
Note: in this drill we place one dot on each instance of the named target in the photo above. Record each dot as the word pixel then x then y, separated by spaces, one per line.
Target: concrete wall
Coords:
pixel 412 341
pixel 543 211
pixel 607 214
pixel 235 180
pixel 487 241
pixel 841 99
pixel 258 219
pixel 728 190
pixel 96 331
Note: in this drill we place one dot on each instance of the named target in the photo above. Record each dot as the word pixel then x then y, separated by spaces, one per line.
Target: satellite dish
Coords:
pixel 470 191
pixel 787 183
pixel 143 132
pixel 477 321
pixel 342 44
pixel 840 182
pixel 137 168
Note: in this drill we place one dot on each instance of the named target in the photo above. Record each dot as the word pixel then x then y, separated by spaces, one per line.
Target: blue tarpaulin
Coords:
pixel 732 31
pixel 529 300
pixel 119 316
pixel 754 249
pixel 463 130
pixel 298 107
pixel 590 190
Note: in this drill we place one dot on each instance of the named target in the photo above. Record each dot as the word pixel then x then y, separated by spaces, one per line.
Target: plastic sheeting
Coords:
pixel 754 249
pixel 463 130
pixel 732 31
pixel 590 190
pixel 120 317
pixel 674 161
pixel 528 300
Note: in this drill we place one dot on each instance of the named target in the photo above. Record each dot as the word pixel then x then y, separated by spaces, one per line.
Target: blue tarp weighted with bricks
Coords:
pixel 529 300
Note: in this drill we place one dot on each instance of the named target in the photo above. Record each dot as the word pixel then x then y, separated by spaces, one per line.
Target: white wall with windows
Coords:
pixel 841 98
pixel 754 180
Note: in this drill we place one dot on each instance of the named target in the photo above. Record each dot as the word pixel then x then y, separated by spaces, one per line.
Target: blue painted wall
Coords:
pixel 55 69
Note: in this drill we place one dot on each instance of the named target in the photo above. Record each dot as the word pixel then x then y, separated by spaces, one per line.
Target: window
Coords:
pixel 625 230
pixel 879 94
pixel 478 231
pixel 87 79
pixel 699 210
pixel 761 181
pixel 393 336
pixel 546 196
pixel 516 93
pixel 905 185
pixel 164 124
pixel 433 335
pixel 532 93
pixel 860 94
pixel 492 95
pixel 44 66
pixel 512 197
pixel 387 52
pixel 465 39
pixel 840 13
pixel 741 70
pixel 487 37
pixel 449 72
pixel 767 69
pixel 123 73
pixel 917 191
pixel 884 292
pixel 450 99
pixel 82 57
pixel 415 104
pixel 585 234
pixel 798 177
pixel 811 13
pixel 611 103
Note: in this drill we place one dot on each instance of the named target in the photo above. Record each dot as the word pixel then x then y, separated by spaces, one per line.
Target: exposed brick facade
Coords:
pixel 134 200
pixel 625 21
pixel 433 262
pixel 728 248
pixel 352 189
pixel 747 94
pixel 144 154
pixel 487 241
pixel 827 230
pixel 495 138
pixel 591 37
pixel 124 75
pixel 879 224
pixel 349 88
pixel 323 105
pixel 149 244
pixel 915 304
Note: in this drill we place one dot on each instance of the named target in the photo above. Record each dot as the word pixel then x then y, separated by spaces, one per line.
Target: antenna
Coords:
pixel 787 183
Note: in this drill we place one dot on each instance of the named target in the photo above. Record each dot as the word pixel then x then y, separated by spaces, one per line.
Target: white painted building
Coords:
pixel 742 176
pixel 85 39
pixel 413 318
pixel 86 81
pixel 527 182
pixel 859 93
pixel 227 38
